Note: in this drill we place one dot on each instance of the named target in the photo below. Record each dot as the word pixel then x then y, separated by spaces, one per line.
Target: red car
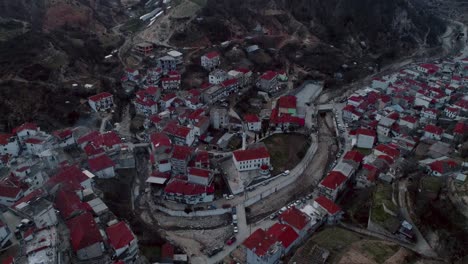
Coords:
pixel 231 241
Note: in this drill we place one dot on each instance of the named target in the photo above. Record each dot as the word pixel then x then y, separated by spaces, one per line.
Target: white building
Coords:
pixel 253 122
pixel 199 176
pixel 5 234
pixel 101 102
pixel 217 76
pixel 123 242
pixel 251 159
pixel 365 138
pixel 9 145
pixel 25 131
pixel 102 166
pixel 211 60
pixel 40 210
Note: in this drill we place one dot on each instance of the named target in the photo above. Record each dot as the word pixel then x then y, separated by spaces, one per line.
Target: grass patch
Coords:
pixel 378 251
pixel 286 150
pixel 383 196
pixel 335 240
pixel 364 151
pixel 132 25
pixel 200 2
pixel 431 184
pixel 152 253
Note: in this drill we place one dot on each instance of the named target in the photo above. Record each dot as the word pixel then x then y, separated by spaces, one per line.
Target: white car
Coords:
pixel 236 230
pixel 286 172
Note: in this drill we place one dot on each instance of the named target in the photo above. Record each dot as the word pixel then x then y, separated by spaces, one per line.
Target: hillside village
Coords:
pixel 194 161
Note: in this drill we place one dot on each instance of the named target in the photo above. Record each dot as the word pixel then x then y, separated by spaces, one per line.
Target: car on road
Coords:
pixel 234 210
pixel 229 197
pixel 211 207
pixel 225 206
pixel 236 230
pixel 286 173
pixel 273 216
pixel 231 241
pixel 282 210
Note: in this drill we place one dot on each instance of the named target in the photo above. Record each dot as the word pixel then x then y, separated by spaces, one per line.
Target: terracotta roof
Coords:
pixel 5 139
pixel 328 205
pixel 181 152
pixel 251 154
pixel 461 128
pixel 84 231
pixel 259 242
pixel 365 132
pixel 211 55
pixel 176 130
pixel 333 180
pixel 119 235
pixel 442 166
pixel 294 218
pixel 30 197
pixel 229 82
pixel 70 177
pixel 183 187
pixel 34 141
pixel 283 233
pixel 243 70
pixel 390 151
pixel 100 163
pixel 433 129
pixel 91 150
pixel 288 101
pixel 160 140
pixel 354 155
pixel 99 97
pixel 68 203
pixel 64 133
pixel 9 190
pixel 251 118
pixel 167 251
pixel 88 137
pixel 269 75
pixel 204 173
pixel 25 126
pixel 410 119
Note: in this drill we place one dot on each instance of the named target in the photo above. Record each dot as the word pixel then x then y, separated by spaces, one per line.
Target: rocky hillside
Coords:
pixel 327 33
pixel 49 44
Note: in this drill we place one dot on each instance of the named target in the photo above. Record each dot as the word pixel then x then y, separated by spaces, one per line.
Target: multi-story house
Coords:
pixel 211 60
pixel 101 102
pixel 251 159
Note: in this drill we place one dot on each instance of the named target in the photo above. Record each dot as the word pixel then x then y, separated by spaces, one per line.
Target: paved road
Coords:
pixel 421 245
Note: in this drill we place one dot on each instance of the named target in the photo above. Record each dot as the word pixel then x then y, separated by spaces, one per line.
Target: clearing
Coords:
pixel 286 150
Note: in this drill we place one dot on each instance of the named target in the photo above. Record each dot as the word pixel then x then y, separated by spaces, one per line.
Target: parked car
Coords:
pixel 231 241
pixel 211 207
pixel 229 197
pixel 273 216
pixel 286 172
pixel 236 230
pixel 225 206
pixel 234 210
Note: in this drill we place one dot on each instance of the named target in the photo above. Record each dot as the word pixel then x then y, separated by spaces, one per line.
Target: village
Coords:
pixel 239 166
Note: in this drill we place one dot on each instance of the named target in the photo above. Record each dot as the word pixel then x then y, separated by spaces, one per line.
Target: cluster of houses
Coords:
pixel 44 186
pixel 294 226
pixel 424 103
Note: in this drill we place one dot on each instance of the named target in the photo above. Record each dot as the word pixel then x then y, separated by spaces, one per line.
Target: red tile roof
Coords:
pixel 386 149
pixel 30 197
pixel 212 55
pixel 294 218
pixel 354 155
pixel 204 173
pixel 63 134
pixel 119 235
pixel 328 205
pixel 461 128
pixel 167 251
pixel 25 126
pixel 9 190
pixel 288 101
pixel 433 129
pixel 176 130
pixel 91 150
pixel 333 180
pixel 442 166
pixel 259 242
pixel 160 140
pixel 365 132
pixel 88 137
pixel 84 231
pixel 99 97
pixel 68 203
pixel 410 119
pixel 283 233
pixel 34 141
pixel 251 154
pixel 181 152
pixel 100 163
pixel 8 260
pixel 70 177
pixel 182 187
pixel 229 82
pixel 5 139
pixel 251 118
pixel 243 70
pixel 269 75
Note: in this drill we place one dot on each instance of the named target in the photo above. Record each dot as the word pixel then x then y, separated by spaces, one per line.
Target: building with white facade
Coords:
pixel 101 102
pixel 251 159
